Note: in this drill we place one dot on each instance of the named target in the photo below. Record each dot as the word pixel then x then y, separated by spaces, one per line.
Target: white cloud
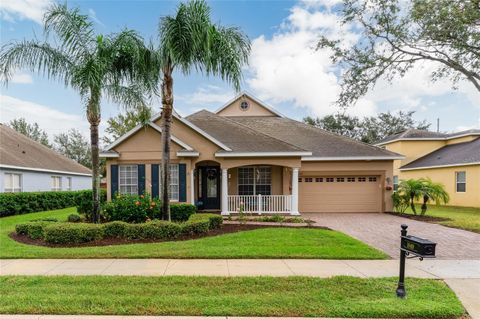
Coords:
pixel 22 78
pixel 49 119
pixel 12 10
pixel 206 96
pixel 286 68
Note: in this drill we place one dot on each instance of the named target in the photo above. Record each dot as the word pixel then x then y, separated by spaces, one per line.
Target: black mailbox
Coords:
pixel 418 246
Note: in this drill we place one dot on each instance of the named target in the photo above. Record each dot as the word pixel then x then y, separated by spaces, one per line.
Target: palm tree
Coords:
pixel 433 191
pixel 95 66
pixel 190 41
pixel 413 188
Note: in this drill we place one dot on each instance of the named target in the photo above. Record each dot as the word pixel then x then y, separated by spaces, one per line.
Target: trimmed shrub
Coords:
pixel 70 233
pixel 85 202
pixel 74 218
pixel 116 229
pixel 30 202
pixel 196 227
pixel 153 230
pixel 132 208
pixel 34 230
pixel 181 212
pixel 215 220
pixel 47 219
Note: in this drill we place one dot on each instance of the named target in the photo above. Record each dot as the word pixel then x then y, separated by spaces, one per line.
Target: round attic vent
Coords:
pixel 244 105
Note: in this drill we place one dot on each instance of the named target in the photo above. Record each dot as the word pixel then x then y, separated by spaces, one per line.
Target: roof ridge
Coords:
pixel 258 132
pixel 342 136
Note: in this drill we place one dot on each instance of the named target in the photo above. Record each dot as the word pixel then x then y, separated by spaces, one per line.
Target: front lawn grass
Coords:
pixel 467 218
pixel 227 296
pixel 260 243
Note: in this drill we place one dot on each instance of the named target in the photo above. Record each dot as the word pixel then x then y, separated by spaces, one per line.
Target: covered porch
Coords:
pixel 254 189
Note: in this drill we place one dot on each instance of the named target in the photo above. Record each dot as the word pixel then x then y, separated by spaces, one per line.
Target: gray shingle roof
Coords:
pixel 412 133
pixel 238 137
pixel 320 142
pixel 422 134
pixel 18 150
pixel 467 132
pixel 455 154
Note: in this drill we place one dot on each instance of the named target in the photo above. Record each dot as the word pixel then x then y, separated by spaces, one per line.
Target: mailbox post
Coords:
pixel 415 246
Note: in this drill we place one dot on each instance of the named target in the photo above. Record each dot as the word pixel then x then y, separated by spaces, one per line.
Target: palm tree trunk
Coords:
pixel 166 123
pixel 93 116
pixel 412 204
pixel 424 205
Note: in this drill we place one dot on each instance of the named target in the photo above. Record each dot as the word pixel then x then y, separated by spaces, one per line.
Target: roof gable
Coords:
pixel 251 107
pixel 137 128
pixel 241 138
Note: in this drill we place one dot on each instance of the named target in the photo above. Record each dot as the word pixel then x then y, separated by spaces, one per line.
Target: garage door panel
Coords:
pixel 358 196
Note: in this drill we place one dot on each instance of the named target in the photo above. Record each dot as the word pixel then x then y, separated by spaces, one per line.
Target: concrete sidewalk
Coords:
pixel 438 269
pixel 463 276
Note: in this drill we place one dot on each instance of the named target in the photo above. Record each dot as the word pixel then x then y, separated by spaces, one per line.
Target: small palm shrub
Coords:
pixel 413 190
pixel 401 201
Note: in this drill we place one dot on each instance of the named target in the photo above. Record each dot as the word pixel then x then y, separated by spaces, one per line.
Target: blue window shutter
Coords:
pixel 155 179
pixel 141 179
pixel 114 179
pixel 182 177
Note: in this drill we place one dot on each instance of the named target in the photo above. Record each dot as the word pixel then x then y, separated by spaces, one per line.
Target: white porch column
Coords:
pixel 294 192
pixel 224 200
pixel 192 186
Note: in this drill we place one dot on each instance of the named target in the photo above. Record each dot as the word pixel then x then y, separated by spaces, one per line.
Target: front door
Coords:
pixel 210 187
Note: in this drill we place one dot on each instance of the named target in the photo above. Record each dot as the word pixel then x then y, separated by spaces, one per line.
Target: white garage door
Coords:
pixel 346 194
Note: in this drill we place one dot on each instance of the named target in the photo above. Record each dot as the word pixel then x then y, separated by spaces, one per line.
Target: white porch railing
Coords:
pixel 259 204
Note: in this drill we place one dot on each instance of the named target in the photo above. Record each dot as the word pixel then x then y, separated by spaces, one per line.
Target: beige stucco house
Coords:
pixel 247 154
pixel 451 159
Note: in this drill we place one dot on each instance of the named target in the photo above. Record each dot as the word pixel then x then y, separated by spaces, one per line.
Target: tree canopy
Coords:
pixel 31 130
pixel 124 122
pixel 74 145
pixel 395 35
pixel 369 129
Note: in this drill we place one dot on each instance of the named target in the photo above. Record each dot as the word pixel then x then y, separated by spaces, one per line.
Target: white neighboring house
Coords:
pixel 28 166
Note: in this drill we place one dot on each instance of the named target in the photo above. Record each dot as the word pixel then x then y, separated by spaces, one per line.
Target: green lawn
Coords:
pixel 467 218
pixel 224 296
pixel 260 243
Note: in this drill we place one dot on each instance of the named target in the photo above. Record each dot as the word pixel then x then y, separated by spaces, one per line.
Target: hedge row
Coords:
pixel 75 233
pixel 30 202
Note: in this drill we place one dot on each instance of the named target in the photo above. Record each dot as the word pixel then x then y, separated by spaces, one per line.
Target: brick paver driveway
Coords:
pixel 383 232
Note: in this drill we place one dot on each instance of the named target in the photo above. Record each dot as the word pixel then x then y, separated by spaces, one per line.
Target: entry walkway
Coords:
pixel 438 269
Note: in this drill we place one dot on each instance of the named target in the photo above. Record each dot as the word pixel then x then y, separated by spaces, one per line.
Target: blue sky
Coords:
pixel 284 70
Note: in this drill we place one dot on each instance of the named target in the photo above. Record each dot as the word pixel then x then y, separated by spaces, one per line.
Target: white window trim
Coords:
pixel 457 182
pixel 130 185
pixel 177 199
pixel 13 186
pixel 397 183
pixel 69 183
pixel 254 179
pixel 59 188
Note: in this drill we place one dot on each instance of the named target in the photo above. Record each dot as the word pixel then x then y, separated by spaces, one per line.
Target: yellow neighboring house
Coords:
pixel 450 159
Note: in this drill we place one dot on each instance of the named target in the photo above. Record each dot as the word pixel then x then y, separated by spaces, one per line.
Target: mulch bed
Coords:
pixel 424 218
pixel 225 229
